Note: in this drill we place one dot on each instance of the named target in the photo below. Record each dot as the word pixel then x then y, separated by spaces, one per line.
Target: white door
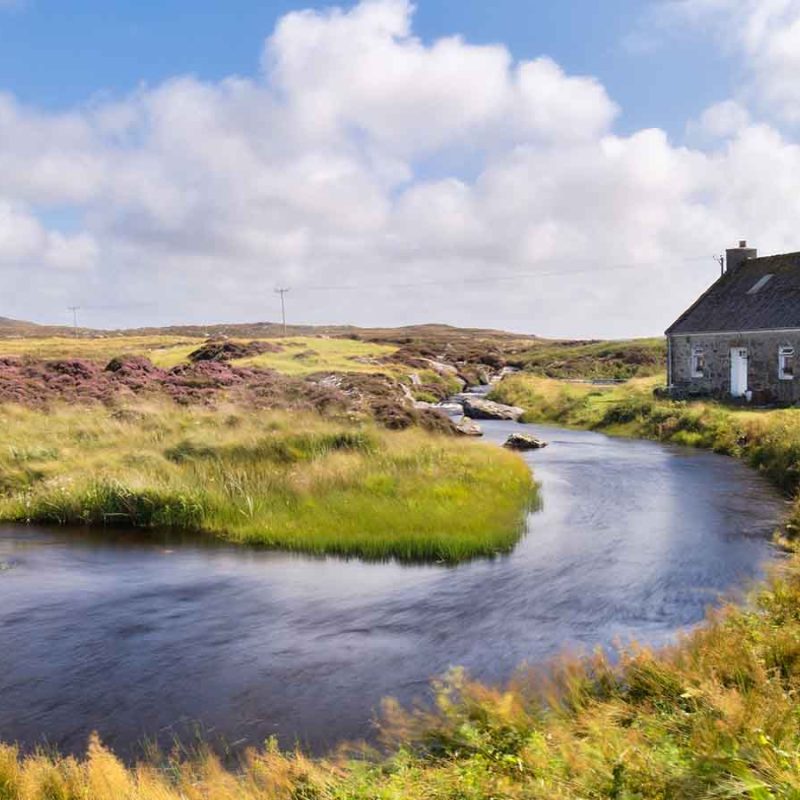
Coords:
pixel 738 371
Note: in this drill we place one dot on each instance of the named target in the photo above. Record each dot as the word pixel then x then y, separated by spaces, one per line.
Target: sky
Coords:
pixel 565 169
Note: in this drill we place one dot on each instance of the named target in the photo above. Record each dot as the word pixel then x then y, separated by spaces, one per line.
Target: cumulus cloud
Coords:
pixel 25 242
pixel 438 181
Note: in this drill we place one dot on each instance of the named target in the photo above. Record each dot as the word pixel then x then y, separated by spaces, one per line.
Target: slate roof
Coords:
pixel 729 307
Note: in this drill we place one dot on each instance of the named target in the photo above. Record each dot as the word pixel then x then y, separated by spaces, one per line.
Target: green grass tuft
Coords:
pixel 291 482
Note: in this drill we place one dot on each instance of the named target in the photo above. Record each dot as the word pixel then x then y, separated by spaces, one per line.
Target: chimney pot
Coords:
pixel 736 256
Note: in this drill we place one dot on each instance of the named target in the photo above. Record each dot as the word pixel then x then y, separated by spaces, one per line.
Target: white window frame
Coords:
pixel 785 352
pixel 698 353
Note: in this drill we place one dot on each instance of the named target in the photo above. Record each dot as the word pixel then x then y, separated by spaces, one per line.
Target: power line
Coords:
pixel 74 310
pixel 487 280
pixel 282 292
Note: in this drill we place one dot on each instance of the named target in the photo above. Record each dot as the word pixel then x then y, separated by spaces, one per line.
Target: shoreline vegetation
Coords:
pixel 714 716
pixel 296 482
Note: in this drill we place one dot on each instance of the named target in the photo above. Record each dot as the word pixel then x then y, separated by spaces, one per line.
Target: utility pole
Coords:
pixel 74 310
pixel 282 293
pixel 721 261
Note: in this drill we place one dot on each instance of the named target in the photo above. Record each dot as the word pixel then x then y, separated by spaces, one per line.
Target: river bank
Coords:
pixel 767 439
pixel 607 557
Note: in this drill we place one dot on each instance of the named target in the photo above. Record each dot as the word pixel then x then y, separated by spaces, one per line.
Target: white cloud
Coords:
pixel 362 156
pixel 722 120
pixel 762 36
pixel 26 244
pixel 363 70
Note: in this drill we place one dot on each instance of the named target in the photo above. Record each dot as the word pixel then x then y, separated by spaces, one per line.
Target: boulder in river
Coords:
pixel 468 427
pixel 524 441
pixel 451 409
pixel 480 408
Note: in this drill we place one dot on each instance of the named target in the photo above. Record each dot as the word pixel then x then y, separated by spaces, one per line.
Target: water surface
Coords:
pixel 157 637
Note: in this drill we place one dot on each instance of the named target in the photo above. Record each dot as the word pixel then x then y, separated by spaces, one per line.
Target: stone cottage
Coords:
pixel 741 338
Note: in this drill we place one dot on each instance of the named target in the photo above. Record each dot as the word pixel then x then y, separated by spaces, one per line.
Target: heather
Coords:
pixel 291 481
pixel 592 360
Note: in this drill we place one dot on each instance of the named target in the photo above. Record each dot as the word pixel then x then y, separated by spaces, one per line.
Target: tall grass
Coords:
pixel 285 481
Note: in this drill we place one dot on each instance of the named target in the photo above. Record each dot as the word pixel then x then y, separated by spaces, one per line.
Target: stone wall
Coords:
pixel 762 367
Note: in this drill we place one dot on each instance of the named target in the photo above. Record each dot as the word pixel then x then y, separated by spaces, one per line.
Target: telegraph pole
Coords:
pixel 721 261
pixel 74 310
pixel 282 293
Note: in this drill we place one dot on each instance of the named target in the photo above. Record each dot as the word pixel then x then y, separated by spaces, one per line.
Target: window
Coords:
pixel 759 284
pixel 786 363
pixel 698 362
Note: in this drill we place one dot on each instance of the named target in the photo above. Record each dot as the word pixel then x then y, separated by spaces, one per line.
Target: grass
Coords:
pixel 305 355
pixel 768 440
pixel 285 481
pixel 163 350
pixel 606 360
pixel 301 355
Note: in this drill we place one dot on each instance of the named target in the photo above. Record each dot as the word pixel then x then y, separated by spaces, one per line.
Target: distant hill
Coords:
pixel 430 332
pixel 10 328
pixel 592 360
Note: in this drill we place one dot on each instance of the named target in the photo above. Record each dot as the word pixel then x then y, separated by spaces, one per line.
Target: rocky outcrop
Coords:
pixel 224 350
pixel 524 441
pixel 468 427
pixel 480 408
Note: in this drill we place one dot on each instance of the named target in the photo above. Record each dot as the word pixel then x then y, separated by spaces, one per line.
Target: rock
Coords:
pixel 451 409
pixel 440 368
pixel 220 349
pixel 468 427
pixel 479 408
pixel 524 441
pixel 446 409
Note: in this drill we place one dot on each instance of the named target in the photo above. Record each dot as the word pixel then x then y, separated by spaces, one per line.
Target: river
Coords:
pixel 166 636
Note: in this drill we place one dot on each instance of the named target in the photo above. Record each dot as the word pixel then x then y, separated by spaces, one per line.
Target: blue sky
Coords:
pixel 562 168
pixel 55 54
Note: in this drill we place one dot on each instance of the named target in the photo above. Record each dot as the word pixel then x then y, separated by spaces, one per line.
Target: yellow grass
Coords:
pixel 161 350
pixel 304 355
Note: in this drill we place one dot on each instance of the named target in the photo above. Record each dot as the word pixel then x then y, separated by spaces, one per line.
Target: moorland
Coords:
pixel 714 715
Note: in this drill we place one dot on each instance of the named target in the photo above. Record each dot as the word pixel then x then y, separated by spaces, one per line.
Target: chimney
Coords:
pixel 736 256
